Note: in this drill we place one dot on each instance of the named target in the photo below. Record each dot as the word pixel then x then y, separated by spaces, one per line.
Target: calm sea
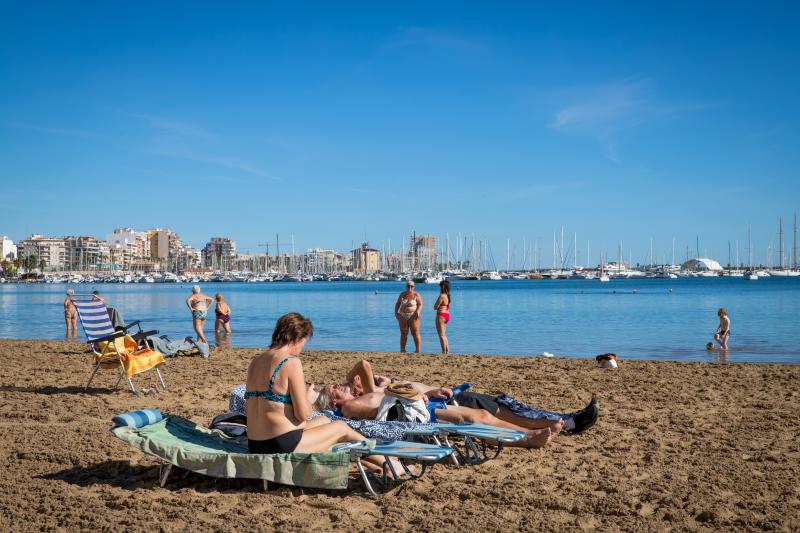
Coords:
pixel 638 319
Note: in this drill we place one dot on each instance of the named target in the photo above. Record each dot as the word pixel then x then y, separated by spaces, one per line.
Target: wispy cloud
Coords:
pixel 231 163
pixel 610 111
pixel 68 132
pixel 182 128
pixel 435 38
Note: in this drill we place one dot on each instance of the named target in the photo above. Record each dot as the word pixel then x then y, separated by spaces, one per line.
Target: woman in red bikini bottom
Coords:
pixel 442 308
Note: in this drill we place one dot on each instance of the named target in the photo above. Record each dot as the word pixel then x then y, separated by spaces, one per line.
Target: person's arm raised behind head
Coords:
pixel 297 389
pixel 363 371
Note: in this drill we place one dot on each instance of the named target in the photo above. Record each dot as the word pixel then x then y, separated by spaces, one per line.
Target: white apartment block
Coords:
pixel 8 250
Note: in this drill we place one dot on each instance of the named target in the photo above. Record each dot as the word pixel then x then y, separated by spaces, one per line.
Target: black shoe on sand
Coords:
pixel 585 418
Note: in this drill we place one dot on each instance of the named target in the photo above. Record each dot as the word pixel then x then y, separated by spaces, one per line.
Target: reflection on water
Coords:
pixel 633 318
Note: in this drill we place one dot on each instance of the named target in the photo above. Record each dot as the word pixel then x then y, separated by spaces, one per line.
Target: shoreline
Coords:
pixel 620 359
pixel 683 446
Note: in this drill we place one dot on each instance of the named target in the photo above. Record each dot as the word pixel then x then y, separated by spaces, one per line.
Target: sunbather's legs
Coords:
pixel 510 416
pixel 320 434
pixel 456 413
pixel 75 325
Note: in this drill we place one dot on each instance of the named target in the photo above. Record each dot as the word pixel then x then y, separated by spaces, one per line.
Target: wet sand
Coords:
pixel 678 446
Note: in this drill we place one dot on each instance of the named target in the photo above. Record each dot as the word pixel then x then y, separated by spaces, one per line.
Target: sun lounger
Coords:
pixel 115 349
pixel 176 441
pixel 479 442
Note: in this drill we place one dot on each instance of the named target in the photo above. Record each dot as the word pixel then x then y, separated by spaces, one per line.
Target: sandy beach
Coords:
pixel 678 446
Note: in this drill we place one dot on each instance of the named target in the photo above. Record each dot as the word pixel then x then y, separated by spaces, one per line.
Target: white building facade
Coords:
pixel 8 250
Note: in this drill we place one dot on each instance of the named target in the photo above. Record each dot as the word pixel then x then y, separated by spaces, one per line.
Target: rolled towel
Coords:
pixel 137 419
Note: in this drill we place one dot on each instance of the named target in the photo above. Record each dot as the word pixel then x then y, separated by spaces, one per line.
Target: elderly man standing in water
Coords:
pixel 199 304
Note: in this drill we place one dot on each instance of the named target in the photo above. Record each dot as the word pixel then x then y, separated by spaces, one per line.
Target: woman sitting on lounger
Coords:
pixel 278 401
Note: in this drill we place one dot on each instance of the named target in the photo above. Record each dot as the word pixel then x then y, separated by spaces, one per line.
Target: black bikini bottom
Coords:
pixel 285 443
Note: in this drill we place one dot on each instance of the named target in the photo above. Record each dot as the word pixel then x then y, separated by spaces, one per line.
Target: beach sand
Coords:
pixel 678 446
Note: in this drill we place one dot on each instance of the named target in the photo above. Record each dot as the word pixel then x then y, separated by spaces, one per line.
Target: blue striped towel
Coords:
pixel 138 419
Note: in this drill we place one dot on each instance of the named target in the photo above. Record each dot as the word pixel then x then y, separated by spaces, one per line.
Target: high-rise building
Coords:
pixel 38 248
pixel 164 243
pixel 219 252
pixel 321 260
pixel 8 250
pixel 366 259
pixel 122 246
pixel 422 252
pixel 84 253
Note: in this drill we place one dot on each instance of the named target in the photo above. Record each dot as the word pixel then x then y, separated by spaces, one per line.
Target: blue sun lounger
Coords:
pixel 479 442
pixel 175 441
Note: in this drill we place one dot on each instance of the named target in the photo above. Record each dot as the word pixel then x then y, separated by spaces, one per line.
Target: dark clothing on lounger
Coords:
pixel 476 400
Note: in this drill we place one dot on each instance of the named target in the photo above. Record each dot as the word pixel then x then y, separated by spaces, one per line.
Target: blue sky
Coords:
pixel 339 122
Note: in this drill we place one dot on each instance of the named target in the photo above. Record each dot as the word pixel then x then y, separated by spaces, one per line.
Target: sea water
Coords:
pixel 641 319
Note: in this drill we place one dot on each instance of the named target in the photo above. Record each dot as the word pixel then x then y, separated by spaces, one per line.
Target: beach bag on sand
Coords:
pixel 233 424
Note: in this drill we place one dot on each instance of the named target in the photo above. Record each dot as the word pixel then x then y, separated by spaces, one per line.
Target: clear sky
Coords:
pixel 338 122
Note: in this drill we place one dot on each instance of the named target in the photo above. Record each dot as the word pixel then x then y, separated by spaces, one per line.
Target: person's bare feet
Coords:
pixel 537 438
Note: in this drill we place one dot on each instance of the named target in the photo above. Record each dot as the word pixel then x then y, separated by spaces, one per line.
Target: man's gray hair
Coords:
pixel 323 401
pixel 195 288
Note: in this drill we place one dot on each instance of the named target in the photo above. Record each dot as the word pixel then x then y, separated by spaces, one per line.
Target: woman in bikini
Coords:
pixel 408 310
pixel 198 303
pixel 70 315
pixel 278 401
pixel 223 314
pixel 442 308
pixel 723 332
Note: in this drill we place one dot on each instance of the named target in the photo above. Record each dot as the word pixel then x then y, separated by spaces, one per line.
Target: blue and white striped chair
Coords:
pixel 101 334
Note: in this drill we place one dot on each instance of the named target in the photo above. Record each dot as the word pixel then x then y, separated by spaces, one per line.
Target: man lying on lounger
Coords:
pixel 361 396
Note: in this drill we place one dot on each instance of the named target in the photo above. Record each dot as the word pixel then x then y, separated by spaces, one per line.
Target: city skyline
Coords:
pixel 367 122
pixel 556 251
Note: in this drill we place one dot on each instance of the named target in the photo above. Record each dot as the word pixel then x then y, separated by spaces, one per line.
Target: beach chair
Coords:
pixel 115 349
pixel 96 321
pixel 175 441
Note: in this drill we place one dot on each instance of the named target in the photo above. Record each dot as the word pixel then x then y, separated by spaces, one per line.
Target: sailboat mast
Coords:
pixel 794 244
pixel 574 250
pixel 780 237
